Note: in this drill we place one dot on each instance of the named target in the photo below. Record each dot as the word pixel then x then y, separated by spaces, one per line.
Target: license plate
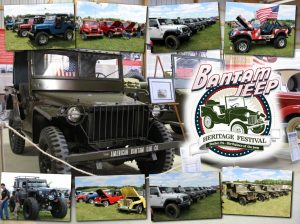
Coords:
pixel 133 151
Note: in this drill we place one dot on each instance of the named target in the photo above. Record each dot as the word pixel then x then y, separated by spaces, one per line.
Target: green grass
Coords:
pixel 111 44
pixel 208 208
pixel 262 48
pixel 90 212
pixel 273 207
pixel 209 38
pixel 43 216
pixel 14 42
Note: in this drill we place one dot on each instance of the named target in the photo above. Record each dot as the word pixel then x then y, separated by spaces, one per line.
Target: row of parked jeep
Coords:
pixel 127 198
pixel 40 28
pixel 245 193
pixel 174 199
pixel 175 31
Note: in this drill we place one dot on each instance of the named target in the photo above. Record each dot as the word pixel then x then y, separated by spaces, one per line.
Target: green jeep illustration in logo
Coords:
pixel 234 113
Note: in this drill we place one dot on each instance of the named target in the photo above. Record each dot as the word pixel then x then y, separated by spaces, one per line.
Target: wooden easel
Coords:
pixel 174 105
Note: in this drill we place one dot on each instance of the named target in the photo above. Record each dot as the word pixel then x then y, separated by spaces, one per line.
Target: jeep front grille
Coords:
pixel 117 122
pixel 94 30
pixel 127 202
pixel 185 198
pixel 252 119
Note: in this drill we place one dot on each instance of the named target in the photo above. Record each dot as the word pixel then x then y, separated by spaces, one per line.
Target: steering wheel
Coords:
pixel 235 105
pixel 104 76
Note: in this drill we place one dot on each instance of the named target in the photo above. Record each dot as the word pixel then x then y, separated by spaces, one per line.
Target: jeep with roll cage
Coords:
pixel 35 195
pixel 235 114
pixel 72 103
pixel 54 25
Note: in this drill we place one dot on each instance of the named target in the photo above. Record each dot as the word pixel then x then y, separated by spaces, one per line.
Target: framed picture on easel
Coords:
pixel 161 90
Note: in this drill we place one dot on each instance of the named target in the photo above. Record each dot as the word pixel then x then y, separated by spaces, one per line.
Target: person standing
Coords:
pixel 4 202
pixel 139 31
pixel 18 204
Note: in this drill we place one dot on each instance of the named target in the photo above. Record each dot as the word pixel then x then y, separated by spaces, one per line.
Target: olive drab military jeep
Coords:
pixel 72 103
pixel 240 192
pixel 35 195
pixel 273 193
pixel 261 194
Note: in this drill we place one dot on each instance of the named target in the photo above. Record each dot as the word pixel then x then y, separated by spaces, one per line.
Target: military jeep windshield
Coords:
pixel 37 184
pixel 91 22
pixel 72 65
pixel 241 188
pixel 232 102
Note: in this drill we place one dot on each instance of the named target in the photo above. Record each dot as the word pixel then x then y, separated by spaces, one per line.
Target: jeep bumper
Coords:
pixel 126 208
pixel 114 154
pixel 185 204
pixel 94 34
pixel 184 36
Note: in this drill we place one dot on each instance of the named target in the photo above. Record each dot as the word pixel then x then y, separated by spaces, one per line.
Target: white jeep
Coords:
pixel 165 198
pixel 172 34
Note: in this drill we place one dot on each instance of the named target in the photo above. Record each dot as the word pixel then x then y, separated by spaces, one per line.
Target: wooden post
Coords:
pixel 161 66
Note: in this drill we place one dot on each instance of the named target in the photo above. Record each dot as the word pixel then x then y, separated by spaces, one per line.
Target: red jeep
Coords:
pixel 270 31
pixel 129 27
pixel 107 197
pixel 90 28
pixel 290 109
pixel 112 28
pixel 24 28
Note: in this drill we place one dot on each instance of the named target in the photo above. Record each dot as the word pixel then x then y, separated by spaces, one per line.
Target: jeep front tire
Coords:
pixel 172 210
pixel 68 35
pixel 30 209
pixel 280 42
pixel 59 208
pixel 172 42
pixel 242 201
pixel 42 38
pixel 53 141
pixel 105 203
pixel 23 33
pixel 242 45
pixel 239 127
pixel 159 134
pixel 208 122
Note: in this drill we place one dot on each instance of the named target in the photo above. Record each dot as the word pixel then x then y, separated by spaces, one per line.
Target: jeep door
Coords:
pixel 154 30
pixel 155 200
pixel 60 25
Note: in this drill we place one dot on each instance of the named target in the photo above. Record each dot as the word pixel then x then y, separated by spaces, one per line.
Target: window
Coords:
pixel 153 191
pixel 153 23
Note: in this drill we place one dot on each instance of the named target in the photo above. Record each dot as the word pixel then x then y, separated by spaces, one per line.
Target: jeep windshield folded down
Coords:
pixel 72 104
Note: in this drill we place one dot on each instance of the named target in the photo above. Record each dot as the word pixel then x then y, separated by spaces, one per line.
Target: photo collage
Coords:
pixel 142 111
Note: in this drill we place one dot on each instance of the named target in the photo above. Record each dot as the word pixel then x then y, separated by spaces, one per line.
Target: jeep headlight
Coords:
pixel 73 114
pixel 51 197
pixel 40 192
pixel 247 114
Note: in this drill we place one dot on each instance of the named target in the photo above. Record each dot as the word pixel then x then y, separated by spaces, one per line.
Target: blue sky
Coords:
pixel 135 13
pixel 38 9
pixel 185 179
pixel 252 174
pixel 247 10
pixel 197 10
pixel 119 180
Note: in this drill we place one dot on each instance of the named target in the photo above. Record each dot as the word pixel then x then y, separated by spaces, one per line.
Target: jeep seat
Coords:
pixel 217 110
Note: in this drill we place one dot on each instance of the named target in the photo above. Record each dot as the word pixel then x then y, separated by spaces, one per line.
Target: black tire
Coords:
pixel 83 36
pixel 30 209
pixel 53 141
pixel 12 204
pixel 68 35
pixel 105 203
pixel 135 76
pixel 91 201
pixel 260 197
pixel 42 38
pixel 159 134
pixel 242 45
pixel 280 42
pixel 23 33
pixel 228 196
pixel 242 201
pixel 208 122
pixel 17 143
pixel 176 129
pixel 239 127
pixel 59 209
pixel 258 129
pixel 172 42
pixel 172 210
pixel 139 209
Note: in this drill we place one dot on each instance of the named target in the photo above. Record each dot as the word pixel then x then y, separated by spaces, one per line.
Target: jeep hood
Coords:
pixel 131 25
pixel 241 110
pixel 86 99
pixel 115 24
pixel 244 22
pixel 129 192
pixel 174 27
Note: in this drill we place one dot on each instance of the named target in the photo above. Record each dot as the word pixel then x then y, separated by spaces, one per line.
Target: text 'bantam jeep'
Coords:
pixel 240 192
pixel 235 114
pixel 35 195
pixel 72 103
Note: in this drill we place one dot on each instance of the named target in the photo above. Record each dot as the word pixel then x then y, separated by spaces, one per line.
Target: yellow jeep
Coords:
pixel 132 201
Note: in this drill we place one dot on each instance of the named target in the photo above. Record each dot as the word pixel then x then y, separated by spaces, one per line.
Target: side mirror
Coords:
pixel 157 194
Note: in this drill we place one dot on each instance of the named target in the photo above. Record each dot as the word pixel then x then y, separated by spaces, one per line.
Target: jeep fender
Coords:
pixel 42 117
pixel 280 33
pixel 168 201
pixel 235 120
pixel 171 32
pixel 244 35
pixel 42 30
pixel 290 112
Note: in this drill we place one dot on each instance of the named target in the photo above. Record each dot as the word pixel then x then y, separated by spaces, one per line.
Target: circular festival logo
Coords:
pixel 220 111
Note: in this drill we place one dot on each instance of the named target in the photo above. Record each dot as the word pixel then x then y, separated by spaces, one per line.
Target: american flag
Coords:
pixel 67 70
pixel 267 13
